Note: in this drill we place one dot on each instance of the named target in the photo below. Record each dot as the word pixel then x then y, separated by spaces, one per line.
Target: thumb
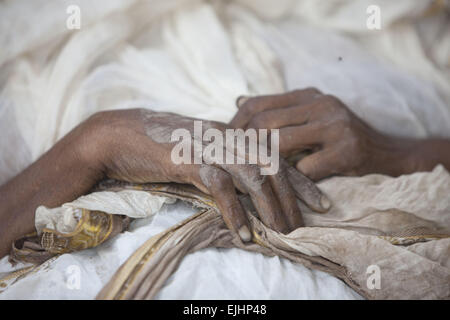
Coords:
pixel 317 166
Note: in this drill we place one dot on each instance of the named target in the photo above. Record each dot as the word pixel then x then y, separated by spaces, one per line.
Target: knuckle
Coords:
pixel 252 179
pixel 343 126
pixel 256 183
pixel 250 105
pixel 100 119
pixel 99 115
pixel 330 100
pixel 298 92
pixel 306 91
pixel 312 91
pixel 246 111
pixel 213 178
pixel 334 106
pixel 220 177
pixel 261 120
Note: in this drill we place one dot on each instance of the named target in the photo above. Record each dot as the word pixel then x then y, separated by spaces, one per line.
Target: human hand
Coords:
pixel 135 146
pixel 338 141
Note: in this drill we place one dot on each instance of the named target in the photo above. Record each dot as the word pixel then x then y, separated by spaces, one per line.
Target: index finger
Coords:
pixel 263 197
pixel 248 107
pixel 306 190
pixel 220 186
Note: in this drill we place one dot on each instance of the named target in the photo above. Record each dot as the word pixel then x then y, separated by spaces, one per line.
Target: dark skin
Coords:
pixel 337 141
pixel 134 145
pixel 116 144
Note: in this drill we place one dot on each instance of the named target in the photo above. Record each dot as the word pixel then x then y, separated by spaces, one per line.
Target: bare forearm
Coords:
pixel 412 155
pixel 431 152
pixel 60 175
pixel 337 142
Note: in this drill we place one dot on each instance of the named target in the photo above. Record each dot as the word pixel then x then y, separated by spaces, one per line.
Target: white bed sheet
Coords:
pixel 206 274
pixel 192 63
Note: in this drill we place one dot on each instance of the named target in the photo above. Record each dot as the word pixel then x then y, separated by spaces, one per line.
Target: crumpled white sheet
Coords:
pixel 195 58
pixel 208 274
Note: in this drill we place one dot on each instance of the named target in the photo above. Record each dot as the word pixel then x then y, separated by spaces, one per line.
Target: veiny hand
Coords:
pixel 338 141
pixel 134 145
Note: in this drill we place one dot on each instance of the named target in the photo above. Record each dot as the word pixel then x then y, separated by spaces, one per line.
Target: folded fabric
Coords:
pixel 387 238
pixel 419 271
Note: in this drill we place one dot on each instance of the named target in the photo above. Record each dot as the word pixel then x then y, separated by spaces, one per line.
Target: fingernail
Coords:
pixel 241 100
pixel 325 203
pixel 245 234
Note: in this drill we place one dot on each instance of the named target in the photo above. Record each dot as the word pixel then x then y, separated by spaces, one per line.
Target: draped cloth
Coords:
pixel 409 244
pixel 195 58
pixel 411 249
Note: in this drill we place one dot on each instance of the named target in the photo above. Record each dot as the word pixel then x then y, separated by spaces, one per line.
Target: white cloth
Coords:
pixel 208 274
pixel 195 58
pixel 134 204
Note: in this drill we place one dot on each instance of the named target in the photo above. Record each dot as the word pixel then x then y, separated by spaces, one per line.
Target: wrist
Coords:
pixel 425 154
pixel 89 145
pixel 399 156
